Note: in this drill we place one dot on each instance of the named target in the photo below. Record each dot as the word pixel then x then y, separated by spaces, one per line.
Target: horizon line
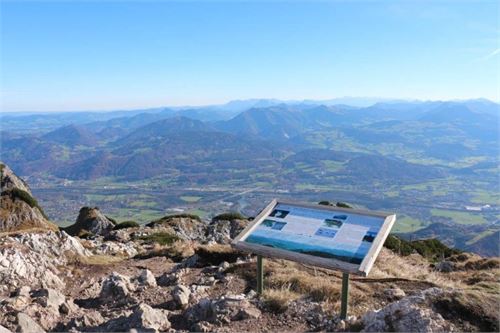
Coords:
pixel 277 100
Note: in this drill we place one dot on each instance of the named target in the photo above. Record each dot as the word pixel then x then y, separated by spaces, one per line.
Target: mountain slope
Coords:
pixel 277 122
pixel 71 135
pixel 464 237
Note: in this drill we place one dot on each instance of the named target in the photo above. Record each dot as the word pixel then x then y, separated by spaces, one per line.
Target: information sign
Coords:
pixel 332 237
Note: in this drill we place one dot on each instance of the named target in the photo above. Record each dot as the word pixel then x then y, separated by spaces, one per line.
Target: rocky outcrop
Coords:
pixel 90 220
pixel 186 227
pixel 33 259
pixel 19 210
pixel 223 231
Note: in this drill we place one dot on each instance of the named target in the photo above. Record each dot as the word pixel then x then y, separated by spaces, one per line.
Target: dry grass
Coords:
pixel 99 259
pixel 277 301
pixel 177 251
pixel 217 253
pixel 28 228
pixel 289 275
pixel 412 267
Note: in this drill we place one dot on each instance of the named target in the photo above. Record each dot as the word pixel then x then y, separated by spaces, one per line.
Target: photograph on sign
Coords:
pixel 333 234
pixel 328 234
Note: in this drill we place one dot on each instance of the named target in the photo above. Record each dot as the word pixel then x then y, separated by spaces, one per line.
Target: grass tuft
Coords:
pixel 162 238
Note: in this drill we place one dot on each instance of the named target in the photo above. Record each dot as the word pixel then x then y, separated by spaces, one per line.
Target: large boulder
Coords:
pixel 91 220
pixel 410 314
pixel 19 210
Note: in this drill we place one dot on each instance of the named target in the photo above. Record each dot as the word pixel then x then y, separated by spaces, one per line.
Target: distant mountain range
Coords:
pixel 147 144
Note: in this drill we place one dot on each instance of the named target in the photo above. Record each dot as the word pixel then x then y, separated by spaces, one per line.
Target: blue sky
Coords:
pixel 113 55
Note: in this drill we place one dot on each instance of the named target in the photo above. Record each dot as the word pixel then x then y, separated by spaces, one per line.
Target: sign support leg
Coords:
pixel 260 275
pixel 344 296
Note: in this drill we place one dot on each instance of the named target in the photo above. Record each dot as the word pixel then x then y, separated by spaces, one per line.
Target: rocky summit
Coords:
pixel 91 221
pixel 19 210
pixel 180 273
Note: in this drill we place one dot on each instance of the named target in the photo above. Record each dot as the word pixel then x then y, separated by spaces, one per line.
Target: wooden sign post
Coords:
pixel 344 239
pixel 260 275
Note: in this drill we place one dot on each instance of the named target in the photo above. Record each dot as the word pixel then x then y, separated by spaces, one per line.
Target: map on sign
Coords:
pixel 335 237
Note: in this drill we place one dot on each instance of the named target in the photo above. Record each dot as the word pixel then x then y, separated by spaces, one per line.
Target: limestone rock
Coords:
pixel 27 325
pixel 91 318
pixel 394 294
pixel 68 307
pixel 184 227
pixel 4 330
pixel 222 231
pixel 49 297
pixel 116 288
pixel 23 291
pixel 181 295
pixel 410 314
pixel 145 317
pixel 223 310
pixel 91 220
pixel 32 259
pixel 201 311
pixel 146 278
pixel 116 249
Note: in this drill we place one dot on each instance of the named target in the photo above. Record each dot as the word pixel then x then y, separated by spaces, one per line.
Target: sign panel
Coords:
pixel 330 237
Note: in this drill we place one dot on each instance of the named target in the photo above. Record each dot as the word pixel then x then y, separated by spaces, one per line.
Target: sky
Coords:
pixel 97 55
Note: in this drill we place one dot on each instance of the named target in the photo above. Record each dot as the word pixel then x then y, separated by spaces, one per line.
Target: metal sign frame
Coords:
pixel 359 269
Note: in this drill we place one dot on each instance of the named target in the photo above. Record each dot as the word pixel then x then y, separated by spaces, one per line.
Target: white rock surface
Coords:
pixel 25 324
pixel 181 295
pixel 32 258
pixel 410 314
pixel 146 278
pixel 116 288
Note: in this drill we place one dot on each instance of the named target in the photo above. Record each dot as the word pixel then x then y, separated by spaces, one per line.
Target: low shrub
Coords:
pixel 126 224
pixel 16 193
pixel 112 219
pixel 398 245
pixel 431 249
pixel 85 234
pixel 167 218
pixel 229 216
pixel 338 204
